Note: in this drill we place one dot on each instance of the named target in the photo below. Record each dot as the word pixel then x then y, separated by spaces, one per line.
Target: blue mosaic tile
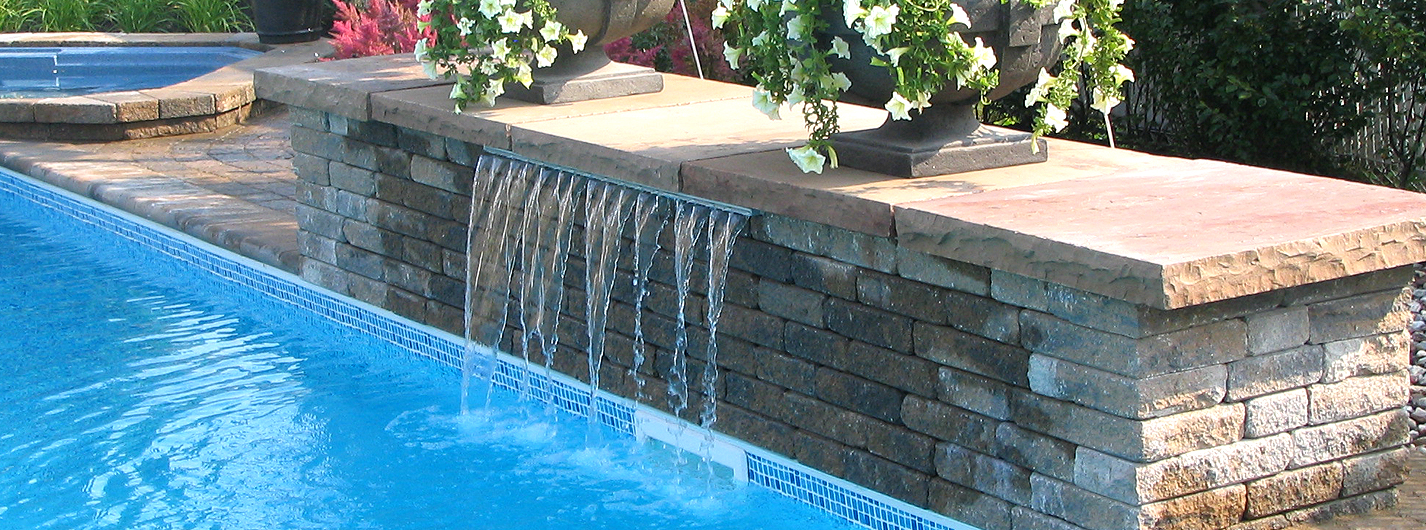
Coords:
pixel 841 499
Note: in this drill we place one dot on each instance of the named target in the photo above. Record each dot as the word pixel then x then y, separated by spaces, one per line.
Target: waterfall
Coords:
pixel 523 221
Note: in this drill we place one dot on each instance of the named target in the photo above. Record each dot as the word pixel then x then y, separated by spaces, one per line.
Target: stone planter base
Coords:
pixel 590 75
pixel 939 141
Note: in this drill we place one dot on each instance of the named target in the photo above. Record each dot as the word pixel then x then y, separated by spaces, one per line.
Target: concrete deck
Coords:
pixel 235 188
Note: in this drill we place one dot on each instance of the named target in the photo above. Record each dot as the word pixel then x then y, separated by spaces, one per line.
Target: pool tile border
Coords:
pixel 831 495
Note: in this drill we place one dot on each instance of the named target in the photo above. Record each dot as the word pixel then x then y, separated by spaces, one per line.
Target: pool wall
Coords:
pixel 209 102
pixel 1243 368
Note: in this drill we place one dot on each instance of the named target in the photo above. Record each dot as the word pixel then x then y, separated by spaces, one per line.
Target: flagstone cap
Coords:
pixel 1159 231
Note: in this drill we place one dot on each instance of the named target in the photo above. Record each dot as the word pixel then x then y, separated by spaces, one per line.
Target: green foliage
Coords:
pixel 1391 34
pixel 142 16
pixel 212 16
pixel 124 15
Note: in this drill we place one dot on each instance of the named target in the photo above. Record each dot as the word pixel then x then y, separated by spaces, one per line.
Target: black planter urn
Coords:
pixel 289 21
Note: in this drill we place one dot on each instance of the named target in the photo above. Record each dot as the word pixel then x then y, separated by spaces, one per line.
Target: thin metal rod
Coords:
pixel 688 24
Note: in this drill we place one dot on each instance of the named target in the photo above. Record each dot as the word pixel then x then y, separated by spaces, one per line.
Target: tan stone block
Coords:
pixel 1377 354
pixel 1348 506
pixel 1138 398
pixel 1294 489
pixel 1265 374
pixel 1210 510
pixel 1375 471
pixel 341 87
pixel 1275 413
pixel 1276 522
pixel 75 110
pixel 1352 437
pixel 131 106
pixel 1080 506
pixel 174 103
pixel 17 110
pixel 1357 396
pixel 1199 346
pixel 1202 470
pixel 1135 440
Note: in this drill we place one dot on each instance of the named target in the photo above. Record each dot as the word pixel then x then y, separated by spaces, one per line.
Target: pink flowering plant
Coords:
pixel 919 42
pixel 484 44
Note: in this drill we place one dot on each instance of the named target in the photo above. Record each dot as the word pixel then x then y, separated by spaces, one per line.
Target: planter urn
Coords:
pixel 289 21
pixel 946 137
pixel 590 74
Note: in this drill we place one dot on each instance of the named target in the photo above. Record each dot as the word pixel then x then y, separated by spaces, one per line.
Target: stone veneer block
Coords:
pixel 1359 316
pixel 1144 398
pixel 1352 437
pixel 1192 472
pixel 1357 396
pixel 1378 354
pixel 1277 330
pixel 1265 374
pixel 16 111
pixel 75 109
pixel 1217 343
pixel 132 106
pixel 1125 235
pixel 1133 440
pixel 174 103
pixel 1294 489
pixel 1276 413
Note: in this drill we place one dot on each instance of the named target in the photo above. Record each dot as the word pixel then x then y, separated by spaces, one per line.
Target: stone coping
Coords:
pixel 202 104
pixel 1163 232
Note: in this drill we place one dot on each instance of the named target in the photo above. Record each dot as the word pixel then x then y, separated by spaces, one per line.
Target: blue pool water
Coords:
pixel 138 393
pixel 72 71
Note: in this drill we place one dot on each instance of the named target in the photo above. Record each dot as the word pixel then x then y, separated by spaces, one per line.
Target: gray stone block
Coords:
pixel 858 394
pixel 316 143
pixel 400 219
pixel 1333 441
pixel 358 153
pixel 1376 471
pixel 901 445
pixel 1369 502
pixel 942 272
pixel 1293 489
pixel 973 353
pixel 756 396
pixel 310 168
pixel 363 263
pixel 983 473
pixel 1192 472
pixel 890 478
pixel 308 118
pixel 320 197
pixel 353 179
pixel 415 196
pixel 1034 451
pixel 948 423
pixel 901 296
pixel 446 176
pixel 464 153
pixel 1215 343
pixel 755 428
pixel 983 317
pixel 1066 501
pixel 1359 316
pixel 824 419
pixel 753 326
pixel 898 370
pixel 986 512
pixel 325 275
pixel 824 275
pixel 975 393
pixel 1372 355
pixel 792 303
pixel 337 124
pixel 866 324
pixel 320 222
pixel 1357 396
pixel 863 250
pixel 373 239
pixel 349 205
pixel 1272 331
pixel 1275 413
pixel 769 261
pixel 317 247
pixel 1027 519
pixel 1145 398
pixel 372 132
pixel 1265 374
pixel 421 143
pixel 1369 282
pixel 787 371
pixel 410 278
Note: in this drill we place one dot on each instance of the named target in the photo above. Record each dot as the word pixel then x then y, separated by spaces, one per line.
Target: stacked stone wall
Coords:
pixel 1000 400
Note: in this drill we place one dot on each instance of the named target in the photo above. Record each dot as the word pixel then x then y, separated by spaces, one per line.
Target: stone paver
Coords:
pixel 234 187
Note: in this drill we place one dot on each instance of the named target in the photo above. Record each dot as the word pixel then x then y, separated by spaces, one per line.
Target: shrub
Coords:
pixel 1391 33
pixel 664 47
pixel 381 27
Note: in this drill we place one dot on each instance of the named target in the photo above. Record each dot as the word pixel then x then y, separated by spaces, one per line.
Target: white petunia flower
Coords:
pixel 510 21
pixel 430 70
pixel 807 159
pixel 982 55
pixel 797 28
pixel 1067 29
pixel 764 102
pixel 1104 103
pixel 423 8
pixel 500 49
pixel 840 48
pixel 880 19
pixel 1122 74
pixel 899 106
pixel 1055 117
pixel 923 100
pixel 491 8
pixel 852 11
pixel 524 75
pixel 795 97
pixel 1042 88
pixel 732 54
pixel 959 16
pixel 457 91
pixel 755 4
pixel 1064 9
pixel 551 31
pixel 787 5
pixel 720 16
pixel 466 26
pixel 838 81
pixel 492 91
pixel 423 50
pixel 895 54
pixel 577 41
pixel 546 56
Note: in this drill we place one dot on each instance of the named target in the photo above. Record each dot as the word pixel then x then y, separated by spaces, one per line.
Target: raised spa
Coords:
pixel 58 72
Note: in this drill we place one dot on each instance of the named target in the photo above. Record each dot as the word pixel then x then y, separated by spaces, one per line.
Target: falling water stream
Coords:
pixel 523 220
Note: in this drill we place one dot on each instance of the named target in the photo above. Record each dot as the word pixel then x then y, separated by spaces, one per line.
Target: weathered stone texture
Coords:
pixel 1265 374
pixel 1216 343
pixel 1359 316
pixel 1277 330
pixel 942 272
pixel 1276 413
pixel 1358 396
pixel 1138 483
pixel 1376 354
pixel 1129 397
pixel 1352 437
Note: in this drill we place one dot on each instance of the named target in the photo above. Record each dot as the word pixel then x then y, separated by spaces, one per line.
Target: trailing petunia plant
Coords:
pixel 920 43
pixel 485 44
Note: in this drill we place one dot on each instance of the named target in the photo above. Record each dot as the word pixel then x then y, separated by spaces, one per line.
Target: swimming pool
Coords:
pixel 193 395
pixel 74 71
